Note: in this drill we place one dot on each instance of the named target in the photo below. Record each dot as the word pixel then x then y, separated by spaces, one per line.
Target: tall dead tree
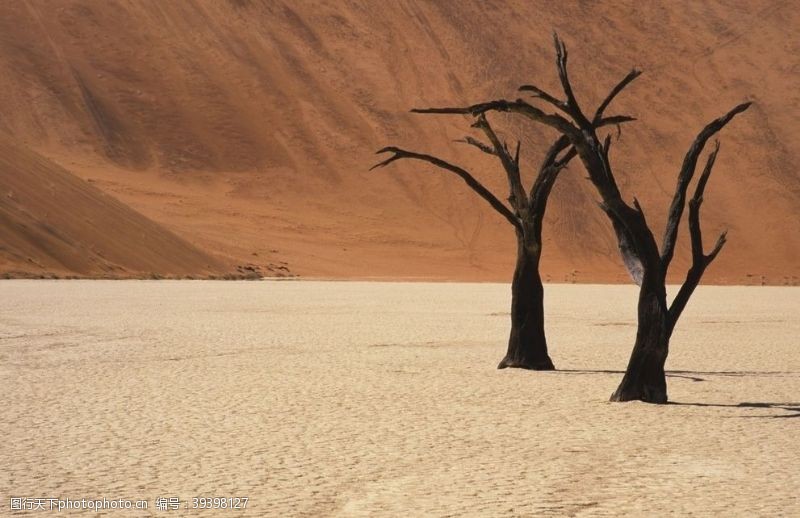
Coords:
pixel 644 378
pixel 527 345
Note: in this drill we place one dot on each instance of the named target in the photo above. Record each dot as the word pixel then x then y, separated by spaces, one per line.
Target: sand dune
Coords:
pixel 247 126
pixel 53 223
pixel 377 399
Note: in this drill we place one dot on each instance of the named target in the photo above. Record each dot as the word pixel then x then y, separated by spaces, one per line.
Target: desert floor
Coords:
pixel 355 399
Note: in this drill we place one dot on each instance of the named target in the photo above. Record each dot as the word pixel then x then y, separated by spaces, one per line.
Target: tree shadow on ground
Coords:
pixel 690 375
pixel 670 374
pixel 792 408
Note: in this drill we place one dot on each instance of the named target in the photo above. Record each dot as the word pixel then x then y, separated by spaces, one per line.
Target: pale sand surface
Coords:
pixel 356 399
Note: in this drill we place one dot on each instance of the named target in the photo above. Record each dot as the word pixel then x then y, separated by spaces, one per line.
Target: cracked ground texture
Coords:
pixel 381 399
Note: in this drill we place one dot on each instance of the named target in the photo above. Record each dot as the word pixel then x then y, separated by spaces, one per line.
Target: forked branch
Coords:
pixel 633 74
pixel 684 178
pixel 551 166
pixel 518 198
pixel 700 260
pixel 541 94
pixel 572 106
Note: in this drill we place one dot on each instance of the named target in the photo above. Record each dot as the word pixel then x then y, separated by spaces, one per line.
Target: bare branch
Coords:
pixel 470 180
pixel 518 198
pixel 548 172
pixel 552 154
pixel 552 165
pixel 633 74
pixel 585 146
pixel 572 104
pixel 478 144
pixel 565 158
pixel 607 145
pixel 721 240
pixel 627 222
pixel 633 235
pixel 616 119
pixel 541 94
pixel 700 261
pixel 519 106
pixel 570 134
pixel 694 208
pixel 685 176
pixel 703 180
pixel 599 170
pixel 637 206
pixel 397 154
pixel 540 191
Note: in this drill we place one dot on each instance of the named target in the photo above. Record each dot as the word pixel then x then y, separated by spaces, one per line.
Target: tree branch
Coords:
pixel 700 261
pixel 684 177
pixel 540 191
pixel 633 74
pixel 629 223
pixel 478 144
pixel 584 139
pixel 470 180
pixel 572 106
pixel 552 165
pixel 555 121
pixel 518 198
pixel 695 232
pixel 541 94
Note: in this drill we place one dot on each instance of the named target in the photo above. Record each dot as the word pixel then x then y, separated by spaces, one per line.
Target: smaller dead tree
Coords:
pixel 644 377
pixel 527 344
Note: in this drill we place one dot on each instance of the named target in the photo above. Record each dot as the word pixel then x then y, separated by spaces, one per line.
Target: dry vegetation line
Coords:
pixel 647 264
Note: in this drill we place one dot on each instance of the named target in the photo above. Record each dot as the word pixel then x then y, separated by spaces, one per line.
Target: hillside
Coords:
pixel 247 127
pixel 55 224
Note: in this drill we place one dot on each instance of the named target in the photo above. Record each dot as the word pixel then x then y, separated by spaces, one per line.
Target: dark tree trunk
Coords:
pixel 527 345
pixel 644 378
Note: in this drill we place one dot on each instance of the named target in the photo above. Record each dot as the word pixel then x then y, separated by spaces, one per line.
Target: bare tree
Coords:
pixel 527 345
pixel 644 378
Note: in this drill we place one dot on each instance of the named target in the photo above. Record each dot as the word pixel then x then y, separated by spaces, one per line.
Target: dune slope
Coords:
pixel 53 223
pixel 250 125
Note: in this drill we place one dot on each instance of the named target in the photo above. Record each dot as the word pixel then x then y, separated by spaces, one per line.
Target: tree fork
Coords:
pixel 644 378
pixel 527 345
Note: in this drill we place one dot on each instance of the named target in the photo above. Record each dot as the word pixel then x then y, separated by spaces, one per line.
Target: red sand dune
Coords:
pixel 52 222
pixel 247 128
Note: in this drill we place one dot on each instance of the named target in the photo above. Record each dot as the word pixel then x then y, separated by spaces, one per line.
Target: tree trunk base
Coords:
pixel 648 394
pixel 541 365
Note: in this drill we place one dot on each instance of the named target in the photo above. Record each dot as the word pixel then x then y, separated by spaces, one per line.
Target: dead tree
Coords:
pixel 644 378
pixel 527 345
